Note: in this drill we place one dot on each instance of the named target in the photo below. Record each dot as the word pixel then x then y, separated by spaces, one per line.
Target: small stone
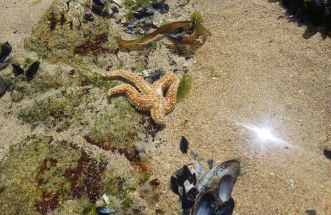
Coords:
pixel 311 212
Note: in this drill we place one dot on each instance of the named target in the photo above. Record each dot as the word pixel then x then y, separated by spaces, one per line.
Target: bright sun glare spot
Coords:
pixel 265 135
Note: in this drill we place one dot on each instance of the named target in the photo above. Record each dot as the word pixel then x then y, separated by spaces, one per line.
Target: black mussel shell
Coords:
pixel 183 145
pixel 3 87
pixel 210 163
pixel 175 187
pixel 143 12
pixel 225 187
pixel 5 51
pixel 206 204
pixel 230 167
pixel 156 75
pixel 183 184
pixel 99 2
pixel 103 210
pixel 3 65
pixel 327 153
pixel 115 9
pixel 226 208
pixel 17 70
pixel 161 7
pixel 182 175
pixel 132 24
pixel 99 8
pixel 189 197
pixel 32 70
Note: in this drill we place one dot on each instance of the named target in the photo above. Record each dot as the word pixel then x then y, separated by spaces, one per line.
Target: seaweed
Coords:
pixel 184 87
pixel 214 74
pixel 95 47
pixel 130 44
pixel 58 110
pixel 191 33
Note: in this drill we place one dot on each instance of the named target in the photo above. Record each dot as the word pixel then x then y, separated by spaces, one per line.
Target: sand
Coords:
pixel 270 76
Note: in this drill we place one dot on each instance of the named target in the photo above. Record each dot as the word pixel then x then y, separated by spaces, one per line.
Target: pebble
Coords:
pixel 311 212
pixel 327 153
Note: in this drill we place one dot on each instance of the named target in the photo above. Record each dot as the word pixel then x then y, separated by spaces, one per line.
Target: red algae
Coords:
pixel 49 201
pixel 89 171
pixel 95 47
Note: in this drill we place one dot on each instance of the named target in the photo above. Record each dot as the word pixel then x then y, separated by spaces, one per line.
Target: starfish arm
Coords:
pixel 135 79
pixel 138 100
pixel 170 81
pixel 170 100
pixel 162 81
pixel 157 112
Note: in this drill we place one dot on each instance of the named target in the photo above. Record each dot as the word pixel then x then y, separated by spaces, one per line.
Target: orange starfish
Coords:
pixel 145 96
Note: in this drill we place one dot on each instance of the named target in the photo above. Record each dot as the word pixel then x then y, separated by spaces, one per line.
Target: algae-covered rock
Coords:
pixel 41 175
pixel 63 34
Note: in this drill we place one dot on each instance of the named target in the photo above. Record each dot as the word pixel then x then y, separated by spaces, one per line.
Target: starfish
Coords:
pixel 145 96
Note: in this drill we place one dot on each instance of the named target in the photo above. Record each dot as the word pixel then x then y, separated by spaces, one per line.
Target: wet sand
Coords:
pixel 270 75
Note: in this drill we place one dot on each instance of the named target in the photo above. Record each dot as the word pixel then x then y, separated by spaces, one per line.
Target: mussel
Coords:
pixel 104 210
pixel 5 51
pixel 230 168
pixel 215 198
pixel 212 191
pixel 3 87
pixel 208 203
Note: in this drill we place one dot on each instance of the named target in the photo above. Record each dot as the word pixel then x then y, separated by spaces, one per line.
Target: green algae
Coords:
pixel 184 87
pixel 57 110
pixel 213 73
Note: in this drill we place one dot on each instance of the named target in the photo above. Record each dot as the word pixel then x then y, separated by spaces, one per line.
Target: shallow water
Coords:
pixel 270 78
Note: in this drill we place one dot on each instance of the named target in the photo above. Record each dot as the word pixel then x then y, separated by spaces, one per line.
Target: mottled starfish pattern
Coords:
pixel 145 96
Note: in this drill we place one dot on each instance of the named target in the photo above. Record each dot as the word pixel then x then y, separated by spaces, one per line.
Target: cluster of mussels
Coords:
pixel 205 192
pixel 26 68
pixel 315 13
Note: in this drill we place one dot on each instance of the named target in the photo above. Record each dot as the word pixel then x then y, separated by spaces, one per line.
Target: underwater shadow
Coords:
pixel 315 15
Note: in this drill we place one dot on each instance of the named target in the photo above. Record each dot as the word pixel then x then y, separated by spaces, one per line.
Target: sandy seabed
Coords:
pixel 270 76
